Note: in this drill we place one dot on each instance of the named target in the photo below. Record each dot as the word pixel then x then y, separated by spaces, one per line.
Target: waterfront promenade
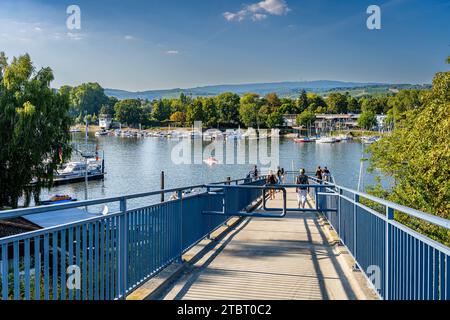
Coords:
pixel 295 257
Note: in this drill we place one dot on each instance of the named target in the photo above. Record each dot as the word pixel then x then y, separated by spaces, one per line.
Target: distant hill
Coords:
pixel 283 89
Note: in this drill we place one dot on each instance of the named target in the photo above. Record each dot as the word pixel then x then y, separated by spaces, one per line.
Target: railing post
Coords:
pixel 123 250
pixel 180 198
pixel 316 198
pixel 162 186
pixel 389 216
pixel 355 215
pixel 339 212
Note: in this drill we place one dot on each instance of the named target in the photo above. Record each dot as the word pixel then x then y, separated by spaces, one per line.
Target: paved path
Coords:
pixel 266 258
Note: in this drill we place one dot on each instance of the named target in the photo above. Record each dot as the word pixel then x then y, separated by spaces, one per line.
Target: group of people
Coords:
pixel 273 179
pixel 323 174
pixel 302 180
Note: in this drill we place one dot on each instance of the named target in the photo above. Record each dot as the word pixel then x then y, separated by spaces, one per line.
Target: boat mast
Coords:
pixel 86 164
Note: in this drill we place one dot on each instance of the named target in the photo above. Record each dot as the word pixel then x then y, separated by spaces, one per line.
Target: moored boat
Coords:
pixel 211 161
pixel 303 140
pixel 58 199
pixel 369 140
pixel 327 140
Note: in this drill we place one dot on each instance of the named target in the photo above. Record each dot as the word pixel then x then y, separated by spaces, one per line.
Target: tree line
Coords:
pixel 89 100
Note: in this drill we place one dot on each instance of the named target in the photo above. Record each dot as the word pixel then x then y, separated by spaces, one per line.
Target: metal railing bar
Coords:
pixel 436 245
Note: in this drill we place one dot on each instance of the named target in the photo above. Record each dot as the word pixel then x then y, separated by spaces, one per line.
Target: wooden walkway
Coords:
pixel 267 258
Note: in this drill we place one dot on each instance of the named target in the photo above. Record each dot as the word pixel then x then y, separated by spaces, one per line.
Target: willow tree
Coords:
pixel 34 129
pixel 417 156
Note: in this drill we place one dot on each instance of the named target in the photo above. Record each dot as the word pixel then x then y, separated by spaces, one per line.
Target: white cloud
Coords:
pixel 38 29
pixel 276 7
pixel 172 52
pixel 238 16
pixel 259 16
pixel 259 11
pixel 128 37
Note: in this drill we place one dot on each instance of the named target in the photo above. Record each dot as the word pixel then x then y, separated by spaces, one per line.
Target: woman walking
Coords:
pixel 271 181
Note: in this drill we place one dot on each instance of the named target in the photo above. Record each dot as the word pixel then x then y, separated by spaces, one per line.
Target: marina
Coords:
pixel 135 164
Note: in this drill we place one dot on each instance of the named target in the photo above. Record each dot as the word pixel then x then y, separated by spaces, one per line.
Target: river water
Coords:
pixel 134 165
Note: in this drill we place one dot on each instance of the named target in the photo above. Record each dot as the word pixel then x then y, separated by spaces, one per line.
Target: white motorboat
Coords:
pixel 327 140
pixel 211 161
pixel 74 170
pixel 343 137
pixel 250 134
pixel 369 140
pixel 101 133
pixel 234 135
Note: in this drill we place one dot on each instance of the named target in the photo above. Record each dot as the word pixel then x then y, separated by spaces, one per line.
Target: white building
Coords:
pixel 105 121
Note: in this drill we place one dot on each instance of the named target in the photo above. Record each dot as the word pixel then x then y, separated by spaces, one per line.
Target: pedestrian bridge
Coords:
pixel 229 241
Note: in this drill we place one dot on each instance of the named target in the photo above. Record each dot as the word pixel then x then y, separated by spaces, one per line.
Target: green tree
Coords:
pixel 161 110
pixel 367 120
pixel 87 98
pixel 315 101
pixel 288 108
pixel 403 101
pixel 210 112
pixel 306 118
pixel 34 129
pixel 353 105
pixel 106 109
pixel 273 101
pixel 262 116
pixel 65 91
pixel 249 108
pixel 377 105
pixel 337 103
pixel 129 111
pixel 417 157
pixel 274 120
pixel 228 108
pixel 195 112
pixel 302 102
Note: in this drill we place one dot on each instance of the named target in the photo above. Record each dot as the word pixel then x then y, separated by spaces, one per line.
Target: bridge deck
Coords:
pixel 266 258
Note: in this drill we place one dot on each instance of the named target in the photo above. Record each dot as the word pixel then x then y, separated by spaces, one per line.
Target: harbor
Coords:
pixel 136 164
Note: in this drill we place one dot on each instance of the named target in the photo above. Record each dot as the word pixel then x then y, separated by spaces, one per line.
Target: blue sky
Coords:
pixel 141 45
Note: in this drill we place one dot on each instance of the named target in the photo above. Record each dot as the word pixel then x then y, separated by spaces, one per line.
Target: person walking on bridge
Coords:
pixel 302 190
pixel 255 173
pixel 271 181
pixel 319 174
pixel 326 174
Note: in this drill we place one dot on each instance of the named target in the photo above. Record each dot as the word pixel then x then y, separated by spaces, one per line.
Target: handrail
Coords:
pixel 14 213
pixel 246 214
pixel 389 204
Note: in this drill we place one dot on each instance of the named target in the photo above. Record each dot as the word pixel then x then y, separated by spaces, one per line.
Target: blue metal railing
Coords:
pixel 112 254
pixel 400 263
pixel 116 253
